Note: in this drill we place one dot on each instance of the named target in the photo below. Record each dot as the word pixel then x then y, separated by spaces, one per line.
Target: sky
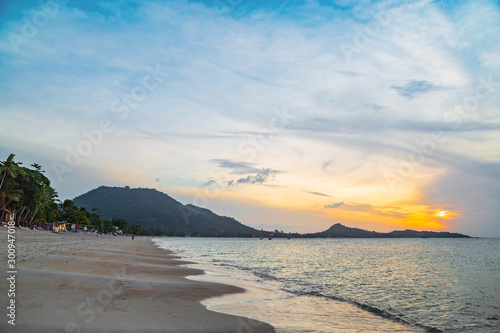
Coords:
pixel 289 115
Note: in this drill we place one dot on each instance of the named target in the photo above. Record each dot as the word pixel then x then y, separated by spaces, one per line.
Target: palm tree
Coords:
pixel 9 168
pixel 46 198
pixel 9 194
pixel 37 167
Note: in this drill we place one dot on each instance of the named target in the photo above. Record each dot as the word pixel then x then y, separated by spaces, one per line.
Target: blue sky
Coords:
pixel 284 114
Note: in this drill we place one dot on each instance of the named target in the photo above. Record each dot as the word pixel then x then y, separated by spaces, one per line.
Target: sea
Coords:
pixel 353 285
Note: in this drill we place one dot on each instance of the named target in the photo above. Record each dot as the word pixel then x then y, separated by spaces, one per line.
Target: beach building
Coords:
pixel 56 226
pixel 9 216
pixel 59 226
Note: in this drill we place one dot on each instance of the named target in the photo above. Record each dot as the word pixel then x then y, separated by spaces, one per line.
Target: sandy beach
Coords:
pixel 86 283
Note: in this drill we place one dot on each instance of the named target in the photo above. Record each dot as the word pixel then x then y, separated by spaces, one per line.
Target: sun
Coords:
pixel 445 214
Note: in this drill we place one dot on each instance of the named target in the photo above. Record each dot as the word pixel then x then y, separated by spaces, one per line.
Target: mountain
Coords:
pixel 152 209
pixel 340 231
pixel 156 210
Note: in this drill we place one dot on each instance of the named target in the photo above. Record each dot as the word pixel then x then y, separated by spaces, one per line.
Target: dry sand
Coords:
pixel 82 283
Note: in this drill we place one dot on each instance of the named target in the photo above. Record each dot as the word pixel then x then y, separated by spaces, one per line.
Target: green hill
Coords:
pixel 152 209
pixel 340 231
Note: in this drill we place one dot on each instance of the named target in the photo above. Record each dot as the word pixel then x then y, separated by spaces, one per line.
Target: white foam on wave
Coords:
pixel 265 300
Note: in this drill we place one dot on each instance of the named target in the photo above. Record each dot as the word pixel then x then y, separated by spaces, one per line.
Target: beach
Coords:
pixel 67 282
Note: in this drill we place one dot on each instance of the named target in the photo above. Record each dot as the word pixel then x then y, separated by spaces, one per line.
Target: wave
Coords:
pixel 425 297
pixel 301 291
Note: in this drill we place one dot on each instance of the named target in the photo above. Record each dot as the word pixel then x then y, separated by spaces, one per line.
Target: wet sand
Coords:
pixel 266 301
pixel 82 283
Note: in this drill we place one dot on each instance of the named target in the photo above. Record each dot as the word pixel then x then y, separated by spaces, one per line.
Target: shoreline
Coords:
pixel 267 301
pixel 70 282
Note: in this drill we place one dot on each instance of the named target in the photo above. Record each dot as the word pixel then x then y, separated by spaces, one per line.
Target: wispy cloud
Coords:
pixel 318 193
pixel 210 182
pixel 393 212
pixel 334 205
pixel 236 167
pixel 414 88
pixel 261 177
pixel 255 175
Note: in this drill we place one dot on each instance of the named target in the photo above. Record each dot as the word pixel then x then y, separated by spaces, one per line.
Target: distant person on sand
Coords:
pixel 133 236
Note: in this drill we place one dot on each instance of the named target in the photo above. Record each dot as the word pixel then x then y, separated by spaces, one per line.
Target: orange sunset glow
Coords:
pixel 281 119
pixel 260 166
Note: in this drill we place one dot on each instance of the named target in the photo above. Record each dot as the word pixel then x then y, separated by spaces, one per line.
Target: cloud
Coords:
pixel 334 205
pixel 236 166
pixel 357 207
pixel 414 88
pixel 210 182
pixel 255 175
pixel 326 164
pixel 262 176
pixel 367 208
pixel 318 193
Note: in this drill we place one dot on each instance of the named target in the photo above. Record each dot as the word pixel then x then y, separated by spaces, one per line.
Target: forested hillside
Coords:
pixel 152 209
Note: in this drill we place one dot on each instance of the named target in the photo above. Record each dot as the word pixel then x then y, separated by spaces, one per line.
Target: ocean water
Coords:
pixel 358 285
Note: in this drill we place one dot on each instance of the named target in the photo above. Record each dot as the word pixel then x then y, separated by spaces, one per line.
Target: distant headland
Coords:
pixel 159 212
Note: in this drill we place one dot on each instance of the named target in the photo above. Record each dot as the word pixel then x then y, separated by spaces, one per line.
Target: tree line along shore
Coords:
pixel 28 199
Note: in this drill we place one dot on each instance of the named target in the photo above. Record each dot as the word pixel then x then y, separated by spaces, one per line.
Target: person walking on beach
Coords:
pixel 133 235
